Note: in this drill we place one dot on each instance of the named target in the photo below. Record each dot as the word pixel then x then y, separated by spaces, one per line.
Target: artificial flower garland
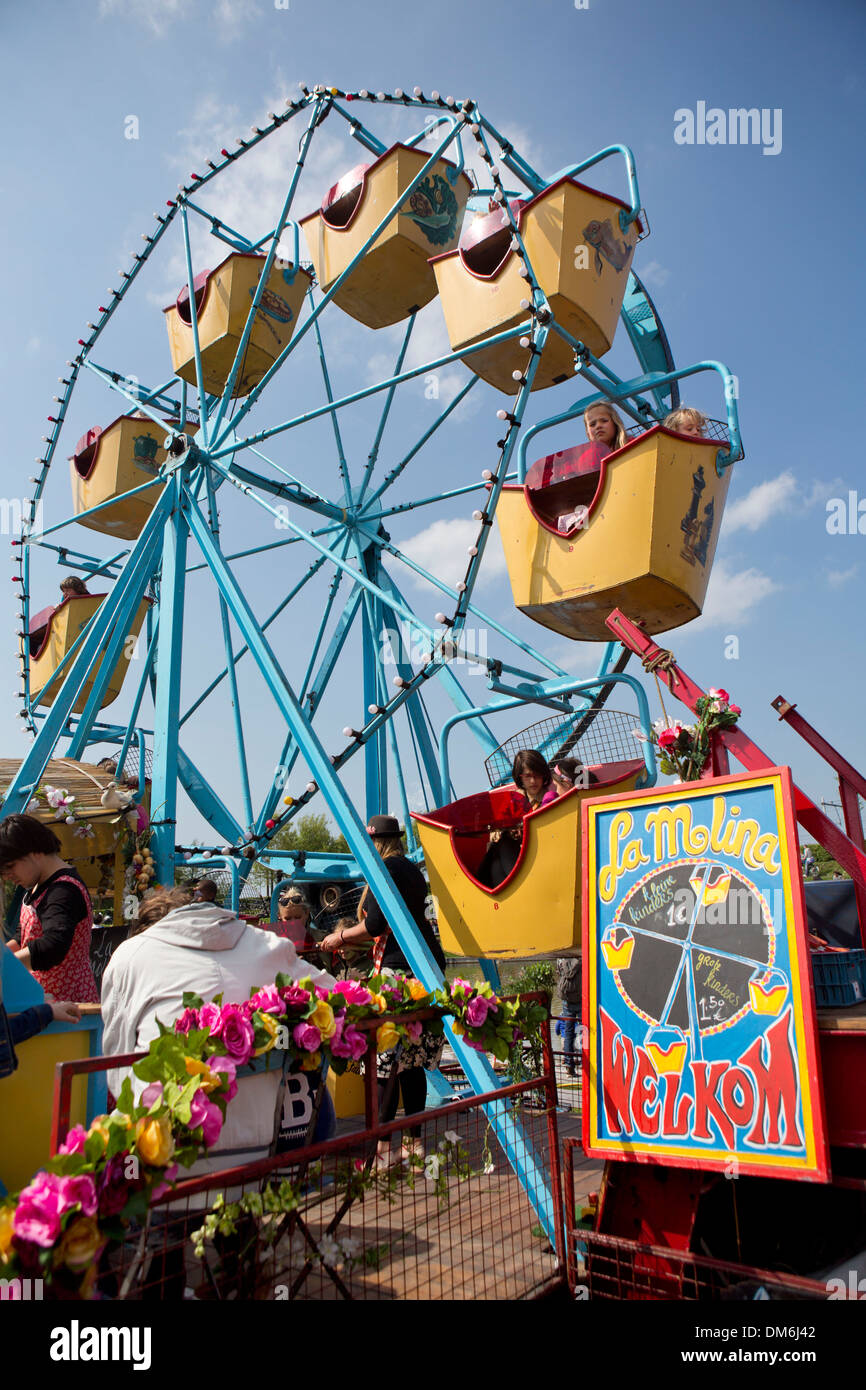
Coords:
pixel 105 1177
pixel 685 748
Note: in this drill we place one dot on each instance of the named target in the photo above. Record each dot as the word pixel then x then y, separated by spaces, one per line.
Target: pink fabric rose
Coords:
pixel 268 999
pixel 322 993
pixel 294 996
pixel 352 992
pixel 414 1031
pixel 74 1141
pixel 668 737
pixel 205 1113
pixel 188 1019
pixel 348 1041
pixel 163 1187
pixel 79 1191
pixel 228 1068
pixel 37 1215
pixel 236 1034
pixel 151 1094
pixel 115 1187
pixel 307 1036
pixel 735 709
pixel 209 1016
pixel 477 1010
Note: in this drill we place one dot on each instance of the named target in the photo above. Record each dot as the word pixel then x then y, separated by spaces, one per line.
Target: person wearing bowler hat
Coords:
pixel 402 1069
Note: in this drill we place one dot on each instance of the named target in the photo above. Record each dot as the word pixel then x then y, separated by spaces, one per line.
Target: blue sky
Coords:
pixel 752 259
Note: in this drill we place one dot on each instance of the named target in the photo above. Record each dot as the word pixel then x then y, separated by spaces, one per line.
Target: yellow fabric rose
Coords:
pixel 312 1061
pixel 323 1018
pixel 6 1214
pixel 380 1002
pixel 153 1139
pixel 81 1241
pixel 387 1036
pixel 457 1027
pixel 210 1080
pixel 417 990
pixel 272 1028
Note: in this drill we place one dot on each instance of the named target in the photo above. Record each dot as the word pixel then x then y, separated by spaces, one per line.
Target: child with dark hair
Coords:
pixel 532 775
pixel 568 773
pixel 56 915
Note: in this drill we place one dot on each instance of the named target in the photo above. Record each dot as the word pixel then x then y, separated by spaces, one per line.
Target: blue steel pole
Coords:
pixel 481 1076
pixel 193 316
pixel 166 719
pixel 386 410
pixel 98 629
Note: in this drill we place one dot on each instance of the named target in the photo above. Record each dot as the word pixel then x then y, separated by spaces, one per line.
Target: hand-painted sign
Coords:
pixel 702 1034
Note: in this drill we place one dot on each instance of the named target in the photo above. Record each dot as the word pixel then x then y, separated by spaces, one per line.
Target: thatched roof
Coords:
pixel 84 781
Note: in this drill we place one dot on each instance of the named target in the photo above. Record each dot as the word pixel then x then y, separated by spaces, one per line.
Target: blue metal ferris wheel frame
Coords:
pixel 350 537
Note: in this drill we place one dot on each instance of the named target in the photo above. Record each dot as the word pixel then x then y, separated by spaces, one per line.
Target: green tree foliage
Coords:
pixel 309 832
pixel 827 865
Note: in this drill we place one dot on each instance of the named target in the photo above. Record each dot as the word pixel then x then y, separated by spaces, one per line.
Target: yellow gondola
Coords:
pixel 535 911
pixel 223 298
pixel 394 276
pixel 53 632
pixel 636 530
pixel 581 259
pixel 109 462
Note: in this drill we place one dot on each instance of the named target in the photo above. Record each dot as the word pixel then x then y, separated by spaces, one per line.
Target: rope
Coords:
pixel 663 660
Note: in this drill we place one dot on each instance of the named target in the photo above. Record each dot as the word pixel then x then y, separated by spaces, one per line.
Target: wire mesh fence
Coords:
pixel 596 735
pixel 447 1220
pixel 715 429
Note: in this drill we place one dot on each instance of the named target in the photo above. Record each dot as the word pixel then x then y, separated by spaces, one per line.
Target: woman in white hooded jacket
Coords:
pixel 206 950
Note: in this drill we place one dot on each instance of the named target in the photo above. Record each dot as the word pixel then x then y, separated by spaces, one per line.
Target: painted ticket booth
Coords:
pixel 636 530
pixel 28 1094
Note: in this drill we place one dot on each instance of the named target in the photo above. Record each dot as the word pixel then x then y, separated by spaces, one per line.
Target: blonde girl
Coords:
pixel 604 426
pixel 687 420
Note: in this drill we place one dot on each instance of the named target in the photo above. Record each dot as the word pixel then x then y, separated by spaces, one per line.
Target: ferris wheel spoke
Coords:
pixel 386 410
pixel 193 318
pixel 338 438
pixel 294 342
pixel 265 274
pixel 289 753
pixel 231 672
pixel 398 468
pixel 149 403
pixel 242 651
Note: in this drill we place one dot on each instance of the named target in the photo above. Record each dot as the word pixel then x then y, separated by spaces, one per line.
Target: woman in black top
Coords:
pixel 408 1063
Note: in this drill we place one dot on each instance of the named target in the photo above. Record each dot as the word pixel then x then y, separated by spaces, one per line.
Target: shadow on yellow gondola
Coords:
pixel 536 910
pixel 667 1049
pixel 394 276
pixel 581 259
pixel 223 298
pixel 109 462
pixel 636 530
pixel 53 632
pixel 767 991
pixel 617 947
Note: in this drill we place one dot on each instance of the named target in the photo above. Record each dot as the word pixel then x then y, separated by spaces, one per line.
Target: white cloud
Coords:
pixel 655 275
pixel 732 594
pixel 155 15
pixel 442 548
pixel 763 503
pixel 836 578
pixel 158 16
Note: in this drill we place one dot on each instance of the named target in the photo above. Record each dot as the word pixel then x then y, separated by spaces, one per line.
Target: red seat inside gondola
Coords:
pixel 561 488
pixel 200 286
pixel 486 241
pixel 341 202
pixel 85 452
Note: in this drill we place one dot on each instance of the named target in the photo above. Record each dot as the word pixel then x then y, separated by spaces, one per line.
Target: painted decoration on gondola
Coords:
pixel 433 208
pixel 701 1048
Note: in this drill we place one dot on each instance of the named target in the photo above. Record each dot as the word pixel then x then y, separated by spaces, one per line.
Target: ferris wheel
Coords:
pixel 531 277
